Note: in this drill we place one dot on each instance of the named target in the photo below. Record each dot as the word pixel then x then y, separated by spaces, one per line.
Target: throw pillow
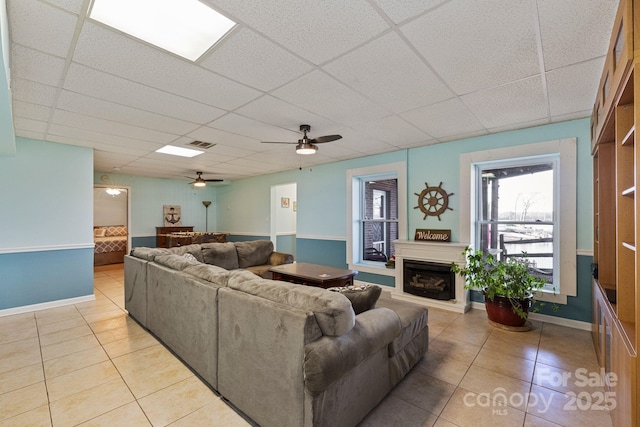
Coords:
pixel 190 257
pixel 99 232
pixel 362 297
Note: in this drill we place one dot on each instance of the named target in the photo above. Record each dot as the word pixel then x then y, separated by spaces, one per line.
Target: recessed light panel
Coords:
pixel 185 27
pixel 179 151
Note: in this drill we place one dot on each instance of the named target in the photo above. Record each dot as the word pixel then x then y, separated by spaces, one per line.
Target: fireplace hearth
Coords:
pixel 429 279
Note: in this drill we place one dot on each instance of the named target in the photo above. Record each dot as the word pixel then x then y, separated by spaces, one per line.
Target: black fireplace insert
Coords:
pixel 429 279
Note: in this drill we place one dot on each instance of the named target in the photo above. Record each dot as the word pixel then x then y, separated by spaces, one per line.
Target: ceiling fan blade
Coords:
pixel 190 177
pixel 326 138
pixel 214 180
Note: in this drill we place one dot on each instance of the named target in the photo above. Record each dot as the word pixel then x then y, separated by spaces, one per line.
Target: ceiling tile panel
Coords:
pixel 30 125
pixel 268 109
pixel 356 140
pixel 511 103
pixel 574 88
pixel 29 134
pixel 326 97
pixel 68 137
pixel 574 30
pixel 77 103
pixel 73 6
pixel 36 66
pixel 401 10
pixel 32 92
pixel 393 130
pixel 315 30
pixel 251 59
pixel 397 88
pixel 82 121
pixel 32 111
pixel 522 125
pixel 106 50
pixel 141 147
pixel 217 136
pixel 120 91
pixel 475 45
pixel 254 129
pixel 444 120
pixel 225 152
pixel 41 26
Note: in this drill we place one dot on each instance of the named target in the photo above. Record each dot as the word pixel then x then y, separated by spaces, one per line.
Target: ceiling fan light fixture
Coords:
pixel 199 183
pixel 306 148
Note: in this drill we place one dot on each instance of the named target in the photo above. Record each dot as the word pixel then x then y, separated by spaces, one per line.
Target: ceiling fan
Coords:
pixel 201 182
pixel 307 145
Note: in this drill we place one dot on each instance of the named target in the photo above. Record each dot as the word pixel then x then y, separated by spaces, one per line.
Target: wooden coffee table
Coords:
pixel 321 276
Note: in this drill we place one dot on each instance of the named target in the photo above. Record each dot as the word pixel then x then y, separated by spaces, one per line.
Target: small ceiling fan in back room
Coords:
pixel 201 182
pixel 308 145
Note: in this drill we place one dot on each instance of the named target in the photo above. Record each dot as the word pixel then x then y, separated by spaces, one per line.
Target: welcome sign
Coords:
pixel 432 235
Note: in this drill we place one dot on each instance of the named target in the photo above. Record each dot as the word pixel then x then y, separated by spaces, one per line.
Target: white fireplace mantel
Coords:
pixel 439 252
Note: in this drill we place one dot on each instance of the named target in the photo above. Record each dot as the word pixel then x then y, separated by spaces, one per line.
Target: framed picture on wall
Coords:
pixel 172 216
pixel 284 202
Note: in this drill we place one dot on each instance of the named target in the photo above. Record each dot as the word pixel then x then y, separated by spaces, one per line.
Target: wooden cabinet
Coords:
pixel 161 234
pixel 616 171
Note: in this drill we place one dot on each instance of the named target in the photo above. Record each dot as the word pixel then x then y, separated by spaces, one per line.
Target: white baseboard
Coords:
pixel 560 321
pixel 46 305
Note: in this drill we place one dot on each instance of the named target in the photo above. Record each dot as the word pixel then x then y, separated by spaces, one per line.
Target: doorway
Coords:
pixel 284 208
pixel 111 219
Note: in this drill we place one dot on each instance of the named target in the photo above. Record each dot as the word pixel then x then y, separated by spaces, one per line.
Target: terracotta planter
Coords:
pixel 500 310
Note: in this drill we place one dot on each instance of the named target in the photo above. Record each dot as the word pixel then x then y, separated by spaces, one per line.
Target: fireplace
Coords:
pixel 439 255
pixel 429 279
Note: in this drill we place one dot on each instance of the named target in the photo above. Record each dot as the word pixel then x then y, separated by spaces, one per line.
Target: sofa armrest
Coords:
pixel 279 258
pixel 329 358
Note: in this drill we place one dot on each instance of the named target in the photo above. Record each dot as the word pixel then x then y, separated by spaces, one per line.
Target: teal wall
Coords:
pixel 46 249
pixel 7 134
pixel 148 195
pixel 321 222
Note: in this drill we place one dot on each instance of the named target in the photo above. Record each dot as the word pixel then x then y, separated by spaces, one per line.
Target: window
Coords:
pixel 377 202
pixel 562 154
pixel 516 212
pixel 379 223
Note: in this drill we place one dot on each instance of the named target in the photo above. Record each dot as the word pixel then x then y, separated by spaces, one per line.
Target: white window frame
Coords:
pixel 566 183
pixel 523 161
pixel 355 177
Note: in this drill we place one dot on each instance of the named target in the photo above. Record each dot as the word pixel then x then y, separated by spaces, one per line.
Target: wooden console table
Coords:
pixel 321 276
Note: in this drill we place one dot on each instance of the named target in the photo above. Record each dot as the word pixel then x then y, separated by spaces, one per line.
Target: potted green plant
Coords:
pixel 508 285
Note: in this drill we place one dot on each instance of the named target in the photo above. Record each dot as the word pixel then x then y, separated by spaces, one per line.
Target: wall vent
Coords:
pixel 201 144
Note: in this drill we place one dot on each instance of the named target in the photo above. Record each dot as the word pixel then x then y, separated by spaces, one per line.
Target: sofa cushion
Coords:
pixel 326 360
pixel 362 297
pixel 332 311
pixel 221 254
pixel 211 273
pixel 193 249
pixel 413 318
pixel 253 252
pixel 176 262
pixel 148 253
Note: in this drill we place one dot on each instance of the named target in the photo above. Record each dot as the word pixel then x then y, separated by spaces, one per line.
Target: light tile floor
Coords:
pixel 89 364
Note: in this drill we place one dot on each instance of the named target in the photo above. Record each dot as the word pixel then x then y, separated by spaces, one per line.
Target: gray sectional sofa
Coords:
pixel 284 354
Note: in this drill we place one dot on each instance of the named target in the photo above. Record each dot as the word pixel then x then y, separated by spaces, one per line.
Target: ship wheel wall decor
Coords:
pixel 433 201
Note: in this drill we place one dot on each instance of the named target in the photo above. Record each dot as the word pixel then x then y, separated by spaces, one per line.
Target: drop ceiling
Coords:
pixel 385 74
